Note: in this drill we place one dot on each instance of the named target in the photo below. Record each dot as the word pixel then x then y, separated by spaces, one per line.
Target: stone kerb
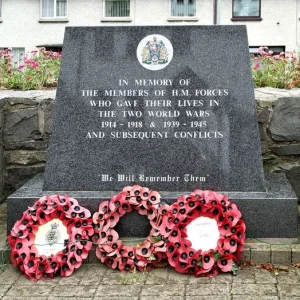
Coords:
pixel 25 127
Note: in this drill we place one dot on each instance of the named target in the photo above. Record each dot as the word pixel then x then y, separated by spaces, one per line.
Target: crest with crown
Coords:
pixel 155 52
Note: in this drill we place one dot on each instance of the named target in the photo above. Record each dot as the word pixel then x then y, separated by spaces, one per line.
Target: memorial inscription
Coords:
pixel 170 111
pixel 164 107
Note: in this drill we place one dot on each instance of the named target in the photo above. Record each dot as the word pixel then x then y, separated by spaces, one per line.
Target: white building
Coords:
pixel 28 24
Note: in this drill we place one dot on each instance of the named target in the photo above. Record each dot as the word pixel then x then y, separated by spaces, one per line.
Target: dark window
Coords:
pixel 17 55
pixel 275 49
pixel 243 10
pixel 53 48
pixel 183 8
pixel 53 8
pixel 117 8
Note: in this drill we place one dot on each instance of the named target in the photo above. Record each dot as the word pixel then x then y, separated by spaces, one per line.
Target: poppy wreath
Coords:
pixel 110 249
pixel 231 229
pixel 78 224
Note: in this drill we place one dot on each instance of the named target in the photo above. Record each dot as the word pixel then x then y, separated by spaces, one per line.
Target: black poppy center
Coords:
pixel 127 268
pixel 73 261
pixel 206 259
pixel 124 206
pixel 77 224
pixel 30 264
pixel 223 262
pixel 171 249
pixel 184 255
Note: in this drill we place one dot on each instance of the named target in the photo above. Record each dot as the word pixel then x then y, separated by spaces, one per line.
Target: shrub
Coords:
pixel 39 69
pixel 278 71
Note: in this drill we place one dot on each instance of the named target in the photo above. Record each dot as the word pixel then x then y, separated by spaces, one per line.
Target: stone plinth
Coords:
pixel 270 214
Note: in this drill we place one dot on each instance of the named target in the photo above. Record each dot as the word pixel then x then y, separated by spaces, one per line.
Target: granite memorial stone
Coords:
pixel 171 108
pixel 167 107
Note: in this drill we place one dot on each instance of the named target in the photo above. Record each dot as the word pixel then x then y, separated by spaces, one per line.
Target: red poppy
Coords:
pixel 225 227
pixel 22 224
pixel 125 206
pixel 16 257
pixel 234 216
pixel 144 249
pixel 113 219
pixel 114 203
pixel 214 271
pixel 65 270
pixel 108 237
pixel 127 189
pixel 165 230
pixel 215 211
pixel 163 209
pixel 231 243
pixel 97 216
pixel 208 260
pixel 152 213
pixel 114 248
pixel 126 264
pixel 173 259
pixel 135 190
pixel 42 266
pixel 73 263
pixel 144 193
pixel 160 246
pixel 53 265
pixel 101 254
pixel 81 226
pixel 175 235
pixel 154 197
pixel 111 262
pixel 30 268
pixel 104 224
pixel 194 256
pixel 103 207
pixel 240 230
pixel 225 263
pixel 197 194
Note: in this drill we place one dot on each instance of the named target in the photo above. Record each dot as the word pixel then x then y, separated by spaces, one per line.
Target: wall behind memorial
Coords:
pixel 25 129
